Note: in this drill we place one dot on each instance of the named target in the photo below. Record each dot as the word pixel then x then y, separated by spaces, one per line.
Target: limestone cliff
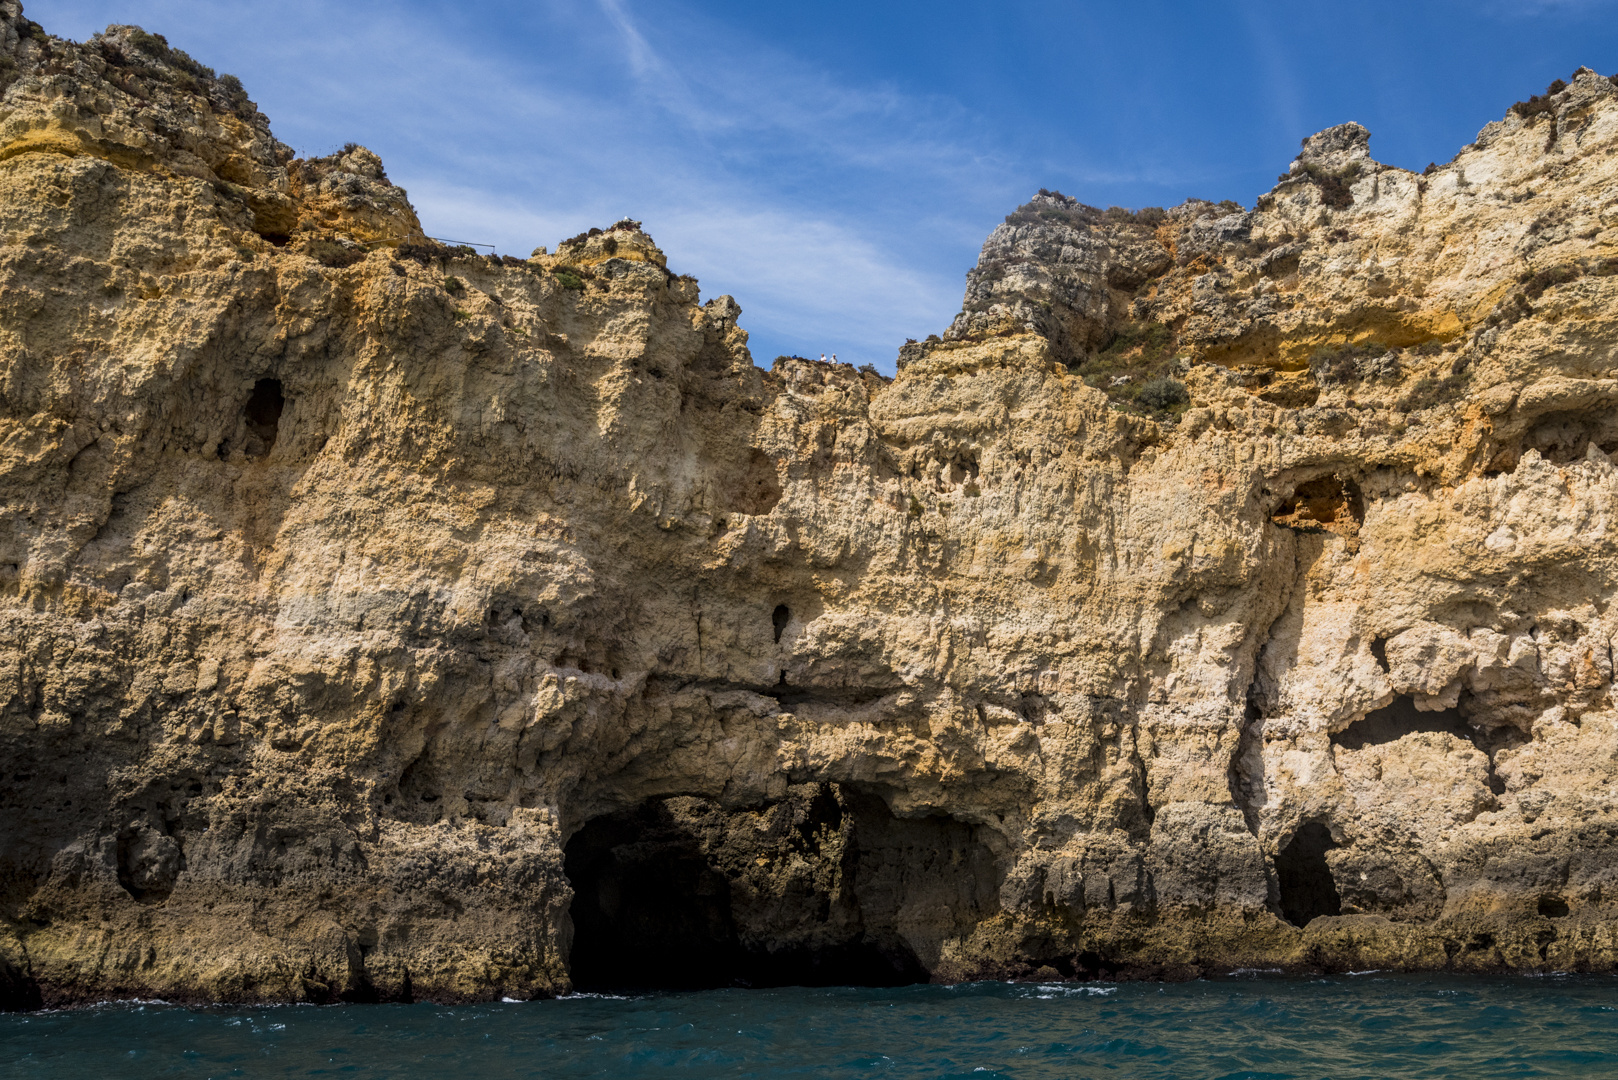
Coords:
pixel 1226 588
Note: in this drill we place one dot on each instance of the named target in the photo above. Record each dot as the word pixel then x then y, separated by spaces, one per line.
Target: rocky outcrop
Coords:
pixel 380 621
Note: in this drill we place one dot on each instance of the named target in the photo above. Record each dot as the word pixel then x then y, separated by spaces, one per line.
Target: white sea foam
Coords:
pixel 1052 991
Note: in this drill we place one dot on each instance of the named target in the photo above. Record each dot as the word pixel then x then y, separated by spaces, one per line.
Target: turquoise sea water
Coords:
pixel 1252 1026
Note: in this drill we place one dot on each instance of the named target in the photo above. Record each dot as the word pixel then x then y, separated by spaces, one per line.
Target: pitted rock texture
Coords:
pixel 380 621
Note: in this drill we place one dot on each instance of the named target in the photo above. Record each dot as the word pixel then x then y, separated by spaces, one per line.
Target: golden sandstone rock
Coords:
pixel 378 620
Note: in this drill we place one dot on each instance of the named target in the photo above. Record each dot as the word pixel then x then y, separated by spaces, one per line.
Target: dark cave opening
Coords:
pixel 1401 717
pixel 780 617
pixel 680 893
pixel 263 415
pixel 1398 719
pixel 1308 890
pixel 648 912
pixel 1553 907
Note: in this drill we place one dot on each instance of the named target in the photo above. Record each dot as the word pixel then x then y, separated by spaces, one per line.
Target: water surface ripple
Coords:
pixel 1252 1028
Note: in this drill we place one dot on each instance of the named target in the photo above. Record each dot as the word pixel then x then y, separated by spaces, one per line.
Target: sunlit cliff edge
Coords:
pixel 1223 588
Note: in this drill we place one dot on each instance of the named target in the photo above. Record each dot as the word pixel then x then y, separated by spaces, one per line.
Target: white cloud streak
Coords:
pixel 842 217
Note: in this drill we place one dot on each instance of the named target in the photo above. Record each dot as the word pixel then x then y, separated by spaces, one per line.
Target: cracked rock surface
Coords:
pixel 379 621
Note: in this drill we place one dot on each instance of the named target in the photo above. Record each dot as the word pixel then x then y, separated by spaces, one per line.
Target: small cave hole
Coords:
pixel 1553 907
pixel 1563 438
pixel 1379 653
pixel 1394 721
pixel 1308 890
pixel 263 416
pixel 780 617
pixel 1330 503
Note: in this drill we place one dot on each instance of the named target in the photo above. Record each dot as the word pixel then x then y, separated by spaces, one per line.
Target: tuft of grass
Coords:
pixel 1077 215
pixel 915 509
pixel 461 315
pixel 157 47
pixel 425 253
pixel 453 284
pixel 570 280
pixel 236 96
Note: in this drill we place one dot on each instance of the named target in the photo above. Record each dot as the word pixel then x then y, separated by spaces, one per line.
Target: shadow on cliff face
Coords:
pixel 825 887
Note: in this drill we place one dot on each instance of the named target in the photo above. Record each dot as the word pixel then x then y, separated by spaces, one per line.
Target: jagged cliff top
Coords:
pixel 1129 299
pixel 1346 270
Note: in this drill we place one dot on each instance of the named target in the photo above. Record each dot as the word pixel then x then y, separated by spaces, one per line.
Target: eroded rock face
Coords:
pixel 384 621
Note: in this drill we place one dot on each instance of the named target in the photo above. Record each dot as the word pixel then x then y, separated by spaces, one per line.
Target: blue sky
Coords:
pixel 835 166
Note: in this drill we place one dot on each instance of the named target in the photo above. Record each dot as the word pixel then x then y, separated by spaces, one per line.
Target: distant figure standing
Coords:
pixel 822 358
pixel 834 358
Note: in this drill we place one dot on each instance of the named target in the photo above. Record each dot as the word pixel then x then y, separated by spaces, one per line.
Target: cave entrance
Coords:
pixel 648 912
pixel 822 888
pixel 1307 888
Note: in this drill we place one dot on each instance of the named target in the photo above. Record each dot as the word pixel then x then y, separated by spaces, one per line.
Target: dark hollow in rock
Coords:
pixel 1330 502
pixel 148 863
pixel 18 992
pixel 780 617
pixel 1553 907
pixel 1395 721
pixel 1308 890
pixel 263 415
pixel 1565 438
pixel 681 893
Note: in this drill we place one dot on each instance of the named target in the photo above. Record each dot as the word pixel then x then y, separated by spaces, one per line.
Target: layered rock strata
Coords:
pixel 377 621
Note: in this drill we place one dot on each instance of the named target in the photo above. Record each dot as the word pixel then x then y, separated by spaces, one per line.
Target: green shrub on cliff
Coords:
pixel 158 48
pixel 1136 370
pixel 1162 394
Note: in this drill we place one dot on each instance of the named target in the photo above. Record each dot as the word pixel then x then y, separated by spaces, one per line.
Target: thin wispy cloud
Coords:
pixel 731 154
